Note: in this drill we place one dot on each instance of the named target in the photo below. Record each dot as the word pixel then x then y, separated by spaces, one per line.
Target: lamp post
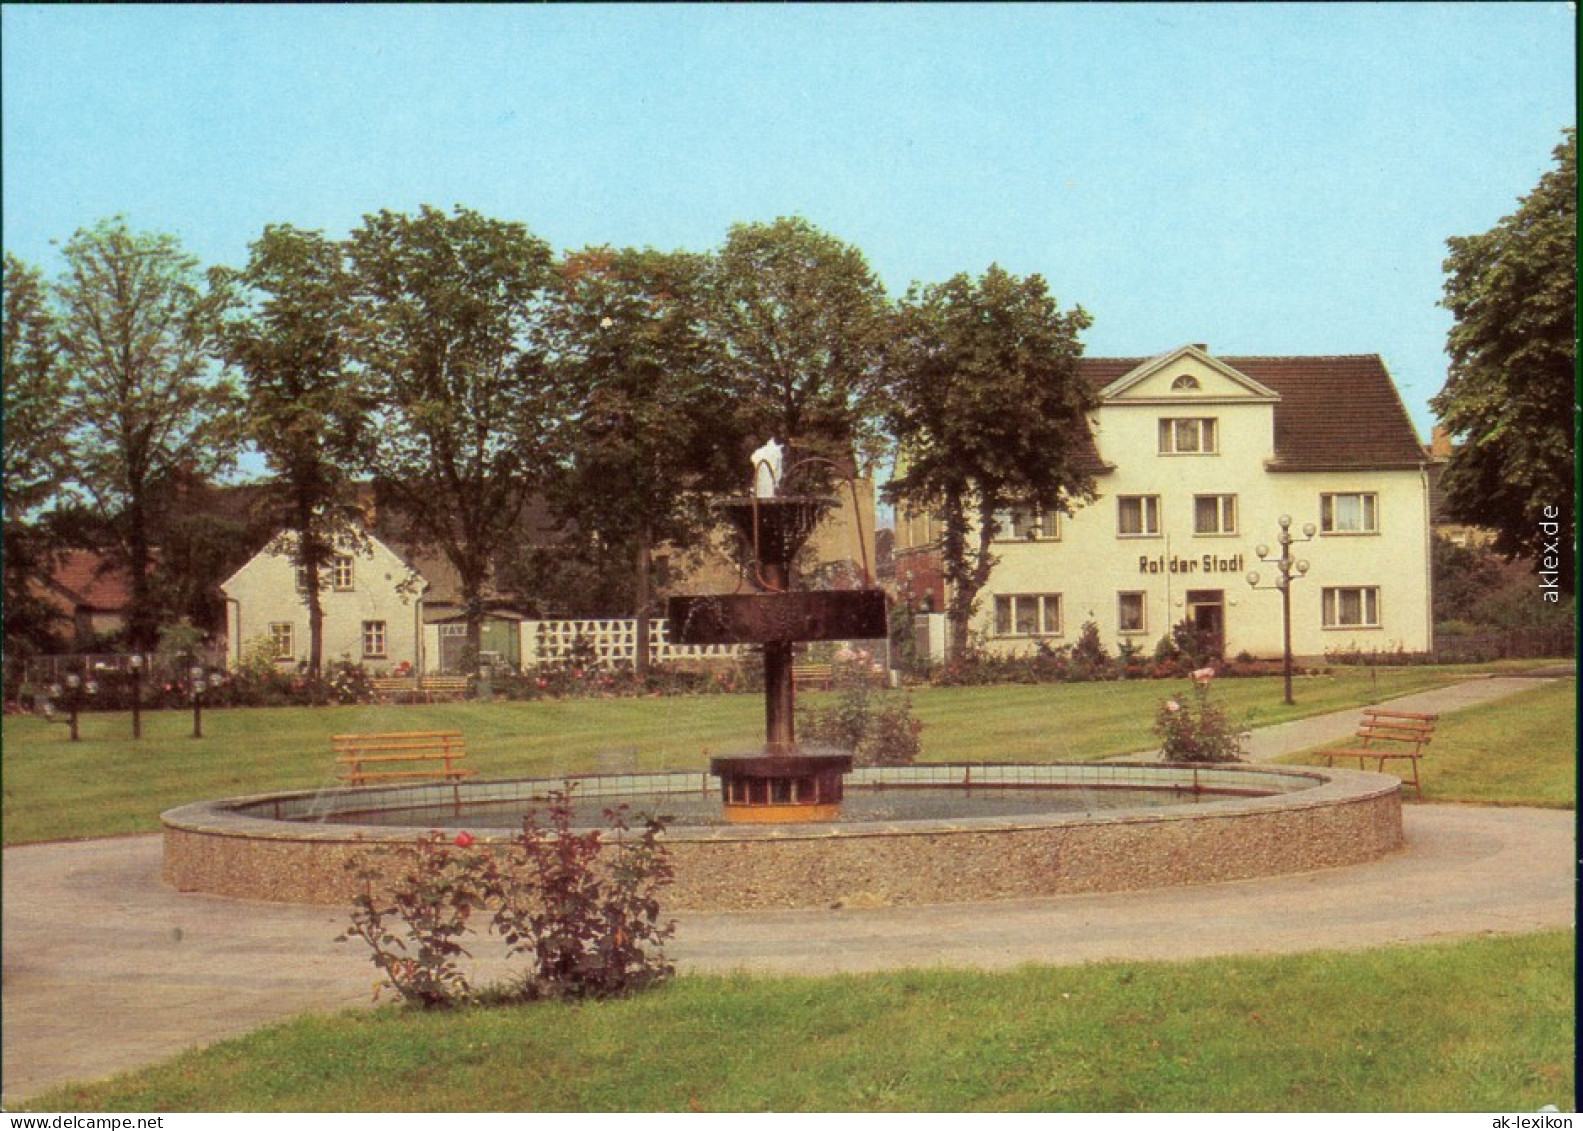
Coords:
pixel 195 675
pixel 1286 571
pixel 74 689
pixel 137 695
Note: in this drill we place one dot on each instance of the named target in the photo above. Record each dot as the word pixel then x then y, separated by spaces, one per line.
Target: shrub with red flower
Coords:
pixel 1200 731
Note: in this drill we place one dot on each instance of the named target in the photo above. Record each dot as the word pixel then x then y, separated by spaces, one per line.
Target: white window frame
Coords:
pixel 342 570
pixel 1011 609
pixel 1142 626
pixel 1036 523
pixel 1189 436
pixel 1148 516
pixel 1368 606
pixel 283 637
pixel 1367 519
pixel 1225 515
pixel 376 639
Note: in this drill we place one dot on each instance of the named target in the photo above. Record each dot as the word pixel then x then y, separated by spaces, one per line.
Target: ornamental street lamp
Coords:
pixel 195 676
pixel 1286 571
pixel 137 696
pixel 74 689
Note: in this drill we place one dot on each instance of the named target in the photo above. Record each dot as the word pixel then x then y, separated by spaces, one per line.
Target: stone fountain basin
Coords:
pixel 1249 821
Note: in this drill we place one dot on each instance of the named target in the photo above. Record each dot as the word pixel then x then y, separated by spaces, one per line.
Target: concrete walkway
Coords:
pixel 106 970
pixel 1269 743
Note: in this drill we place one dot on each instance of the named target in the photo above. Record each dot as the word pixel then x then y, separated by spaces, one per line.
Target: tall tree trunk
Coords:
pixel 143 621
pixel 640 653
pixel 315 618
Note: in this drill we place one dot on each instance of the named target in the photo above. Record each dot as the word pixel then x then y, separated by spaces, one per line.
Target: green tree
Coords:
pixel 143 402
pixel 306 411
pixel 446 322
pixel 1510 398
pixel 801 319
pixel 36 429
pixel 988 413
pixel 638 378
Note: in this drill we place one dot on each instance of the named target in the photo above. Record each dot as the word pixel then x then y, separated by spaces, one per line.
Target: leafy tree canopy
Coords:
pixel 988 412
pixel 144 407
pixel 447 322
pixel 306 409
pixel 801 318
pixel 1510 399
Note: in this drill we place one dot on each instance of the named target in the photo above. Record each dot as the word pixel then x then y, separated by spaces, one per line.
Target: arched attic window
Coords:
pixel 1184 383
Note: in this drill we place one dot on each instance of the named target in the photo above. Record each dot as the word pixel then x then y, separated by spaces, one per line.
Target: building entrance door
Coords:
pixel 1206 610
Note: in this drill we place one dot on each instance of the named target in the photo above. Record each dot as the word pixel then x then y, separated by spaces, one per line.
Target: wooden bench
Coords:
pixel 448 686
pixel 436 754
pixel 1399 734
pixel 811 675
pixel 399 687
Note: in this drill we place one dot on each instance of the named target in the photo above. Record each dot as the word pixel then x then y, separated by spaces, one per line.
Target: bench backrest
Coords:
pixel 1396 726
pixel 415 742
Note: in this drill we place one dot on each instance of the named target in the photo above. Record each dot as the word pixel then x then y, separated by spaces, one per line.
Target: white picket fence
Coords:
pixel 612 643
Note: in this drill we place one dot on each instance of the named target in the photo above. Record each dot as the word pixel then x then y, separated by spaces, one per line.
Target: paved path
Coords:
pixel 1302 734
pixel 107 970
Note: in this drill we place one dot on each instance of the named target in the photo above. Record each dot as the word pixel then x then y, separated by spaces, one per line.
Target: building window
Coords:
pixel 1214 514
pixel 1028 614
pixel 1138 516
pixel 283 636
pixel 1186 382
pixel 1029 524
pixel 374 640
pixel 1183 436
pixel 1349 514
pixel 1352 608
pixel 1131 611
pixel 339 571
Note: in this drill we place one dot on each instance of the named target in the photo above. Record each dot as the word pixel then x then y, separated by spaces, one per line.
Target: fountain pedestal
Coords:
pixel 781 783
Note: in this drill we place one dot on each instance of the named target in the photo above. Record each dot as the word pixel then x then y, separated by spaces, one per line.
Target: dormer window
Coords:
pixel 1195 436
pixel 1186 383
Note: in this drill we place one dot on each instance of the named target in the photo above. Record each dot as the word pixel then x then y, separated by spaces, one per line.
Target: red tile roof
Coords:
pixel 91 582
pixel 1334 412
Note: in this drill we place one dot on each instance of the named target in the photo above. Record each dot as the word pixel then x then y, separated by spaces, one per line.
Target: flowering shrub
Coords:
pixel 588 922
pixel 1198 731
pixel 589 933
pixel 879 730
pixel 414 925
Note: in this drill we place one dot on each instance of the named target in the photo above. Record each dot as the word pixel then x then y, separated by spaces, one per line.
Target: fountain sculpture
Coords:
pixel 783 782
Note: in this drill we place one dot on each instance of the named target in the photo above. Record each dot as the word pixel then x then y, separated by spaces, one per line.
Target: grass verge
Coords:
pixel 1478 1025
pixel 1516 751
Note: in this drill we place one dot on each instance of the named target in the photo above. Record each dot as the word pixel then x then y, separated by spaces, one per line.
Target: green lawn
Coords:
pixel 1477 1025
pixel 108 784
pixel 1516 751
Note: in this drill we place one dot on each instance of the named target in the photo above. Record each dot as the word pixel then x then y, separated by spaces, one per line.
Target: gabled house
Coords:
pixel 1196 458
pixel 372 601
pixel 88 596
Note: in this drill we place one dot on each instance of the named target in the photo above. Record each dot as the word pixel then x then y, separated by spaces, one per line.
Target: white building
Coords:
pixel 1196 459
pixel 372 603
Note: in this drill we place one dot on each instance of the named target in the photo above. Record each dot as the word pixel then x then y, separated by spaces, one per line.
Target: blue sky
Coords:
pixel 1264 178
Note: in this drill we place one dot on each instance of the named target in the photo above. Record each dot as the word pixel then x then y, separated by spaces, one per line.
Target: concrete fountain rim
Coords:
pixel 1308 788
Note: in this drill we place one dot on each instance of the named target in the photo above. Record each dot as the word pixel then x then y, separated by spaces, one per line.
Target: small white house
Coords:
pixel 372 600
